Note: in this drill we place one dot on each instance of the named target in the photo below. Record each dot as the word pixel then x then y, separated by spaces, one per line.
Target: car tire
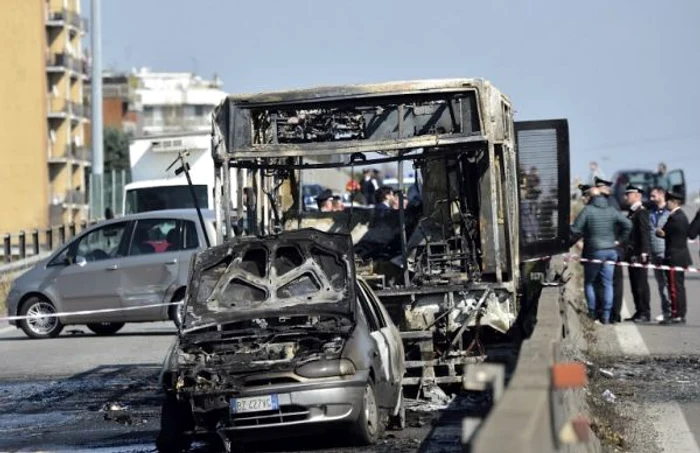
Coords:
pixel 42 327
pixel 397 421
pixel 105 328
pixel 369 427
pixel 176 313
pixel 175 418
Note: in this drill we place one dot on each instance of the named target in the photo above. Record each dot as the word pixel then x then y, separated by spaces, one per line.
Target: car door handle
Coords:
pixel 171 262
pixel 113 267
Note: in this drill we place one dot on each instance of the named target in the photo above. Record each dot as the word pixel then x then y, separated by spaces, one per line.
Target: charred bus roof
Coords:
pixel 359 118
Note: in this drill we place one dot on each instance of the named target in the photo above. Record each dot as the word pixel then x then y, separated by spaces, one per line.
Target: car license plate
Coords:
pixel 254 404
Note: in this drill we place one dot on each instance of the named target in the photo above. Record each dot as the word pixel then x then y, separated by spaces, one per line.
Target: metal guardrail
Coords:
pixel 25 249
pixel 533 409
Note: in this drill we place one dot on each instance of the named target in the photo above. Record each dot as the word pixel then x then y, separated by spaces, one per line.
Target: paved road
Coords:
pixel 666 361
pixel 52 394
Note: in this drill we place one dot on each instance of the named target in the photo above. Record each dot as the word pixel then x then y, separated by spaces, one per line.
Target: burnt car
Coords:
pixel 279 334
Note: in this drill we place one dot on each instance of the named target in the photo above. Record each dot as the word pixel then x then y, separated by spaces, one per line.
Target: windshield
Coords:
pixel 640 177
pixel 165 197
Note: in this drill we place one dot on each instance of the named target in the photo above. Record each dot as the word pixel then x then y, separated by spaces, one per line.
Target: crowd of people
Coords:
pixel 655 236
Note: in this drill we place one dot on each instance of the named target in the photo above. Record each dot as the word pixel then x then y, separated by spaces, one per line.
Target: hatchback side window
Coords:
pixel 370 315
pixel 191 237
pixel 102 243
pixel 155 236
pixel 61 259
pixel 373 304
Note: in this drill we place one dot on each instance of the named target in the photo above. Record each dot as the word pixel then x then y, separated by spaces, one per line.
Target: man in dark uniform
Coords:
pixel 637 251
pixel 605 189
pixel 675 234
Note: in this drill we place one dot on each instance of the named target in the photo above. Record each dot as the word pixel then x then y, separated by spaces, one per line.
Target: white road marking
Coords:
pixel 670 423
pixel 628 335
pixel 673 430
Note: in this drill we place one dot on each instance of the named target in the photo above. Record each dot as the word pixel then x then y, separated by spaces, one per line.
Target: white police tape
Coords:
pixel 571 257
pixel 86 312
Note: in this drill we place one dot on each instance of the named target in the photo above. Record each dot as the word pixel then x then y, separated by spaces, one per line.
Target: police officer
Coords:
pixel 605 189
pixel 638 249
pixel 675 234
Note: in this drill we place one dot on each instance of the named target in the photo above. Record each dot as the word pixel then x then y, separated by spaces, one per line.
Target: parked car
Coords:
pixel 136 260
pixel 647 180
pixel 280 335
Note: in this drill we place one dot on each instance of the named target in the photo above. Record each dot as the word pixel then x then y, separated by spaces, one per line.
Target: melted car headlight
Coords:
pixel 326 368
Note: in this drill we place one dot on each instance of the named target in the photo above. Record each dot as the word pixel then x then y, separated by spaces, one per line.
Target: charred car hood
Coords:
pixel 302 271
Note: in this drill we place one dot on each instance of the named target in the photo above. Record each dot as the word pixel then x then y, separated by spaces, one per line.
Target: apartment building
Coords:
pixel 42 175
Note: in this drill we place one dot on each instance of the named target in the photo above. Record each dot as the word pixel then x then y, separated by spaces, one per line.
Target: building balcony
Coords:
pixel 79 110
pixel 72 153
pixel 57 18
pixel 184 124
pixel 69 198
pixel 80 153
pixel 63 17
pixel 58 107
pixel 63 62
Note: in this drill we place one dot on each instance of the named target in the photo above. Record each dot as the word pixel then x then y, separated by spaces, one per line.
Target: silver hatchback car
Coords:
pixel 113 268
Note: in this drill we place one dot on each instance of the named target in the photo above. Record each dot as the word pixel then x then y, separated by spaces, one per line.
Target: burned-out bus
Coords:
pixel 457 260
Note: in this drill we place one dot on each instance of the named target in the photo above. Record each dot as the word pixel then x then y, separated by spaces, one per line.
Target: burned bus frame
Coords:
pixel 262 145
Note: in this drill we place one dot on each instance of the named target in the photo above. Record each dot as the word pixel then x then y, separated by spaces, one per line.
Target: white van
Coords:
pixel 160 194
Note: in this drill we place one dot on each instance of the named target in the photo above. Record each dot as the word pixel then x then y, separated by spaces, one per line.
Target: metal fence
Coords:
pixel 107 193
pixel 27 245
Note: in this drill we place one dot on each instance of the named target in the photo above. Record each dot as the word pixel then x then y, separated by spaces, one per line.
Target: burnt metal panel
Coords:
pixel 543 175
pixel 381 122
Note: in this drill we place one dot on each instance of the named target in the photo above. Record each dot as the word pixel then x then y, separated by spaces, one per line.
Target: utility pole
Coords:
pixel 97 187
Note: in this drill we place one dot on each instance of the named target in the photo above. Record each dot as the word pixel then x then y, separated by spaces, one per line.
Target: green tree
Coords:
pixel 116 149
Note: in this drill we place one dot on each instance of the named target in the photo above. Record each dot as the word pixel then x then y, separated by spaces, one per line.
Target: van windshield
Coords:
pixel 164 197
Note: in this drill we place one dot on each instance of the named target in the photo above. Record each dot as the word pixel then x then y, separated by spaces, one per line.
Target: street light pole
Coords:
pixel 97 189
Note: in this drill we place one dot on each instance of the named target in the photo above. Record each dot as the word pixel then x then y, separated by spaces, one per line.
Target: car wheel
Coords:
pixel 398 420
pixel 106 328
pixel 175 419
pixel 369 425
pixel 38 325
pixel 177 312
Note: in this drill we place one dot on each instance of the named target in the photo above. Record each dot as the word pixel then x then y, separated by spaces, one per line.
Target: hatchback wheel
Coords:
pixel 369 426
pixel 40 324
pixel 106 328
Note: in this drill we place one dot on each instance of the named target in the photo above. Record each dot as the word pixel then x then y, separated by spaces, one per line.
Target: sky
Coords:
pixel 625 73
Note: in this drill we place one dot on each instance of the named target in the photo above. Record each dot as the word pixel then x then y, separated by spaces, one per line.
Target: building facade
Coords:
pixel 41 122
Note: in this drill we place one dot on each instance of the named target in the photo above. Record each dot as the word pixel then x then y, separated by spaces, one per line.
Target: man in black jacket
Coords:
pixel 637 251
pixel 675 234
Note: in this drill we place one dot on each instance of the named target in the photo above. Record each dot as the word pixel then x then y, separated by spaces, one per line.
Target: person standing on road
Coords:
pixel 657 219
pixel 604 188
pixel 597 223
pixel 675 233
pixel 662 177
pixel 638 249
